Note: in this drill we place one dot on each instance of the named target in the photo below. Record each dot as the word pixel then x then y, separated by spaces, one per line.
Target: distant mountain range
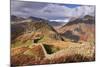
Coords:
pixel 16 19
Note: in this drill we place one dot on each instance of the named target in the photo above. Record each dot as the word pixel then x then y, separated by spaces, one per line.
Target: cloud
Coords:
pixel 50 11
pixel 60 20
pixel 25 9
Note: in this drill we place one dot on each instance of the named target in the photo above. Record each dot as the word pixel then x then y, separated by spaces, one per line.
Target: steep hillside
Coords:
pixel 28 31
pixel 82 29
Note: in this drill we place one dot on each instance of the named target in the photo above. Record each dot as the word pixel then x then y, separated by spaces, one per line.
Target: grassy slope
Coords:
pixel 61 51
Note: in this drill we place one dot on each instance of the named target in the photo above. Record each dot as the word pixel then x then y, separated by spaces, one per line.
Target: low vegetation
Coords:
pixel 37 42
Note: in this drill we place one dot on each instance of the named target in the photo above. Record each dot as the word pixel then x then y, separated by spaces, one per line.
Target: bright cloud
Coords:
pixel 61 20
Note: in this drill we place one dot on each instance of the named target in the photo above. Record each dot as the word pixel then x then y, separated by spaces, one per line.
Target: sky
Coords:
pixel 51 11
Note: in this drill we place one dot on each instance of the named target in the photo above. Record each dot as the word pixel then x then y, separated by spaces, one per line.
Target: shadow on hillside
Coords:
pixel 71 36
